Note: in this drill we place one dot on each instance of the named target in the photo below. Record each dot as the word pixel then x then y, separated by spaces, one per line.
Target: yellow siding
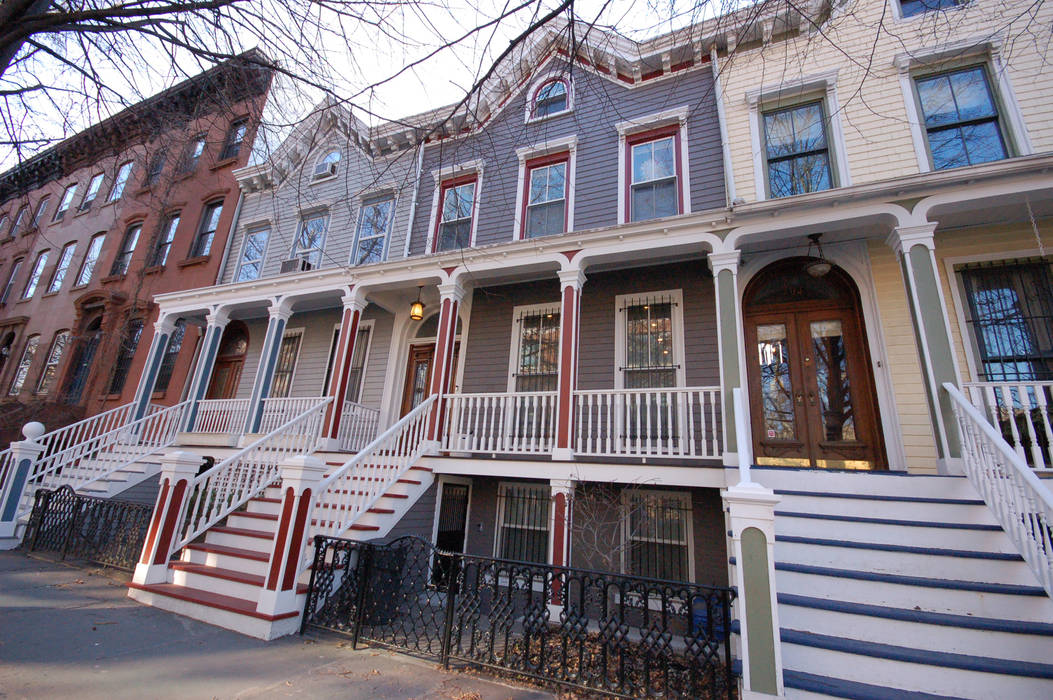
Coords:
pixel 860 42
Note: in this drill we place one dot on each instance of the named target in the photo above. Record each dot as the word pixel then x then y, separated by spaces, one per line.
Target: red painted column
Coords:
pixel 560 527
pixel 450 298
pixel 178 469
pixel 570 282
pixel 300 479
pixel 354 305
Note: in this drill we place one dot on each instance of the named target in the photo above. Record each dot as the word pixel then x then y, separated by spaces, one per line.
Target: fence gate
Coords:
pixel 619 635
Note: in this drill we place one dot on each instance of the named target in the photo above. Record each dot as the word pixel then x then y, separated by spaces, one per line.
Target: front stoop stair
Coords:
pixel 899 586
pixel 218 579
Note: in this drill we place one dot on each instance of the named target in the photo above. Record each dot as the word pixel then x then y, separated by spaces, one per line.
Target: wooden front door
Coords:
pixel 225 378
pixel 418 375
pixel 812 397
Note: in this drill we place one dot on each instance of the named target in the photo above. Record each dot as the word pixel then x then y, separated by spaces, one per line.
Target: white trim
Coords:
pixel 631 127
pixel 334 347
pixel 443 175
pixel 677 315
pixel 288 332
pixel 536 151
pixel 562 74
pixel 546 489
pixel 376 193
pixel 248 230
pixel 626 536
pixel 440 483
pixel 326 214
pixel 518 312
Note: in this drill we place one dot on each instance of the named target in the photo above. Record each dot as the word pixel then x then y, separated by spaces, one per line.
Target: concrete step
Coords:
pixel 216 609
pixel 878 483
pixel 223 557
pixel 238 584
pixel 948 510
pixel 241 538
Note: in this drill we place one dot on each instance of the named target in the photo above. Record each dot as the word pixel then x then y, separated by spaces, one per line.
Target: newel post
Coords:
pixel 24 454
pixel 300 478
pixel 178 470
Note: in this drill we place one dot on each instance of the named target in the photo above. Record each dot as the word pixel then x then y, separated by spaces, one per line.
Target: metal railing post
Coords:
pixel 452 588
pixel 365 561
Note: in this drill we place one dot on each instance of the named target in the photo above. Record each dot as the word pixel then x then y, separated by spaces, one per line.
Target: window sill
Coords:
pixel 535 120
pixel 190 262
pixel 153 269
pixel 223 163
pixel 78 287
pixel 82 212
pixel 317 180
pixel 109 279
pixel 50 294
pixel 110 203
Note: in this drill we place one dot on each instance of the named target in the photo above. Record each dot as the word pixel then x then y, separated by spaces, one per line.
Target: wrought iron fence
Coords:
pixel 101 530
pixel 618 635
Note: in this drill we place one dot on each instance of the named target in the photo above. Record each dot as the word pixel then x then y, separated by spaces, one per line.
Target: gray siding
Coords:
pixel 144 492
pixel 599 104
pixel 419 519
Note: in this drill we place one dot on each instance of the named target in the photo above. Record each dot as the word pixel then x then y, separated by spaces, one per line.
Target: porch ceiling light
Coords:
pixel 820 266
pixel 416 309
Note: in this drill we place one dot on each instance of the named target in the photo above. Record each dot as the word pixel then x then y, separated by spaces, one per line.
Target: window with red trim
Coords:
pixel 454 228
pixel 551 98
pixel 653 174
pixel 545 196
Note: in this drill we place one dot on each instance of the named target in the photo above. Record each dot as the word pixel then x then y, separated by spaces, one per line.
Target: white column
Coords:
pixel 24 454
pixel 279 314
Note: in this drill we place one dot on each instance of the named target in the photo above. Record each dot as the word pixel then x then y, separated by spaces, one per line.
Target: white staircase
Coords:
pixel 893 586
pixel 134 469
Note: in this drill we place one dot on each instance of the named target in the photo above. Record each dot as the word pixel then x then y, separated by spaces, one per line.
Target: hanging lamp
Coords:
pixel 416 309
pixel 820 266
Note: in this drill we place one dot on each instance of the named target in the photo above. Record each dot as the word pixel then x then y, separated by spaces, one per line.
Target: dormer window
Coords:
pixel 551 98
pixel 326 167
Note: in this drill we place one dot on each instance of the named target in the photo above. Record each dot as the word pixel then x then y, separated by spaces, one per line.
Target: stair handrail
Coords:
pixel 1019 501
pixel 222 489
pixel 376 467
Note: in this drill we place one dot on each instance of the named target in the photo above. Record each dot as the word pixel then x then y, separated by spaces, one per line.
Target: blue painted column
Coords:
pixel 24 455
pixel 158 347
pixel 272 343
pixel 215 322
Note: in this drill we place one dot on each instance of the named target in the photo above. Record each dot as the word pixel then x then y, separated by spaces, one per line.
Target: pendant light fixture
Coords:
pixel 416 309
pixel 821 266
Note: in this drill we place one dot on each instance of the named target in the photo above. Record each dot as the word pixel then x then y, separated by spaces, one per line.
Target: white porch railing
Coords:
pixel 1020 502
pixel 279 411
pixel 221 416
pixel 216 493
pixel 682 422
pixel 353 487
pixel 358 426
pixel 506 423
pixel 1021 412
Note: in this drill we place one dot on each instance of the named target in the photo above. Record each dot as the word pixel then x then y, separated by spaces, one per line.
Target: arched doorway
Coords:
pixel 811 389
pixel 226 373
pixel 83 357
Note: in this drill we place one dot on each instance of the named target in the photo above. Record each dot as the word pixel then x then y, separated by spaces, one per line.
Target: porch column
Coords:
pixel 178 469
pixel 559 527
pixel 279 314
pixel 450 297
pixel 354 305
pixel 725 267
pixel 215 323
pixel 24 455
pixel 570 283
pixel 163 328
pixel 915 247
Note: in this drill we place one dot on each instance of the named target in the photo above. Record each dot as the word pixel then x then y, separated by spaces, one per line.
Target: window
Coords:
pixel 66 201
pixel 192 154
pixel 129 344
pixel 551 98
pixel 42 206
pixel 961 119
pixel 909 8
pixel 156 167
pixel 235 135
pixel 22 372
pixel 546 200
pixel 59 275
pixel 281 383
pixel 796 149
pixel 35 275
pixel 458 206
pixel 15 268
pixel 358 361
pixel 654 169
pixel 650 355
pixel 87 266
pixel 51 365
pixel 207 231
pixel 21 225
pixel 91 193
pixel 124 255
pixel 120 181
pixel 522 530
pixel 3 225
pixel 175 344
pixel 252 250
pixel 537 348
pixel 327 165
pixel 309 243
pixel 164 239
pixel 657 532
pixel 1010 316
pixel 374 222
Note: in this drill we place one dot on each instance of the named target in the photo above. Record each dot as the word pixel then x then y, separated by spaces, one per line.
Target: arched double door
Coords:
pixel 226 373
pixel 812 398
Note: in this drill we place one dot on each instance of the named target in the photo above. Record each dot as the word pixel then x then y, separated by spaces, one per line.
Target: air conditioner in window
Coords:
pixel 295 265
pixel 324 170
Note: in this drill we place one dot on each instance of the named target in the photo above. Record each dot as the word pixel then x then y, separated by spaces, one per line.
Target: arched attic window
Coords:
pixel 326 165
pixel 551 98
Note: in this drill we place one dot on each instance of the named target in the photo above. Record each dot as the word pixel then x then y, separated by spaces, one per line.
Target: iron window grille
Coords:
pixel 207 231
pixel 64 204
pixel 252 250
pixel 35 275
pixel 175 344
pixel 119 182
pixel 58 349
pixel 962 123
pixel 164 240
pixel 374 222
pixel 28 353
pixel 311 241
pixel 455 222
pixel 16 267
pixel 235 137
pixel 797 150
pixel 523 523
pixel 281 384
pixel 59 275
pixel 650 363
pixel 657 534
pixel 94 185
pixel 87 266
pixel 125 354
pixel 124 255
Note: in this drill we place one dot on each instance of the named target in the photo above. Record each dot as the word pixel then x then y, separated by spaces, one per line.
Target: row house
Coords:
pixel 728 301
pixel 91 229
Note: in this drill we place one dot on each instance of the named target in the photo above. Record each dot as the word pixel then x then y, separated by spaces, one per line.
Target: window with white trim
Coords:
pixel 28 353
pixel 124 255
pixel 546 201
pixel 657 534
pixel 523 522
pixel 91 193
pixel 87 266
pixel 910 8
pixel 961 118
pixel 326 165
pixel 42 206
pixel 35 275
pixel 59 275
pixel 285 367
pixel 309 244
pixel 16 266
pixel 537 348
pixel 651 330
pixel 51 365
pixel 553 97
pixel 119 182
pixel 253 247
pixel 357 370
pixel 175 344
pixel 654 174
pixel 374 224
pixel 64 204
pixel 457 212
pixel 796 150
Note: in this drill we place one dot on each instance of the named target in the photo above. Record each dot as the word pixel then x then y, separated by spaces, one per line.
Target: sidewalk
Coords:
pixel 73 632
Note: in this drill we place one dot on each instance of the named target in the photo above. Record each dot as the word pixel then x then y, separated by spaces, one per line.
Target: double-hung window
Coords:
pixel 16 267
pixel 123 173
pixel 281 383
pixel 155 168
pixel 87 266
pixel 28 353
pixel 124 255
pixel 164 239
pixel 51 365
pixel 374 224
pixel 192 154
pixel 235 137
pixel 66 201
pixel 252 249
pixel 797 150
pixel 657 534
pixel 91 193
pixel 546 196
pixel 125 354
pixel 537 348
pixel 457 214
pixel 522 529
pixel 654 174
pixel 21 224
pixel 311 240
pixel 551 98
pixel 962 124
pixel 35 275
pixel 356 371
pixel 207 230
pixel 909 8
pixel 3 226
pixel 59 275
pixel 42 207
pixel 175 344
pixel 650 353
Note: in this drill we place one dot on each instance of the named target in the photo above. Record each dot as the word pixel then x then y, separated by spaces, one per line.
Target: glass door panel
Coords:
pixel 776 385
pixel 831 376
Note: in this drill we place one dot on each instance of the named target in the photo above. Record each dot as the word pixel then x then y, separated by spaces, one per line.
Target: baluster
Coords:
pixel 1042 406
pixel 1006 395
